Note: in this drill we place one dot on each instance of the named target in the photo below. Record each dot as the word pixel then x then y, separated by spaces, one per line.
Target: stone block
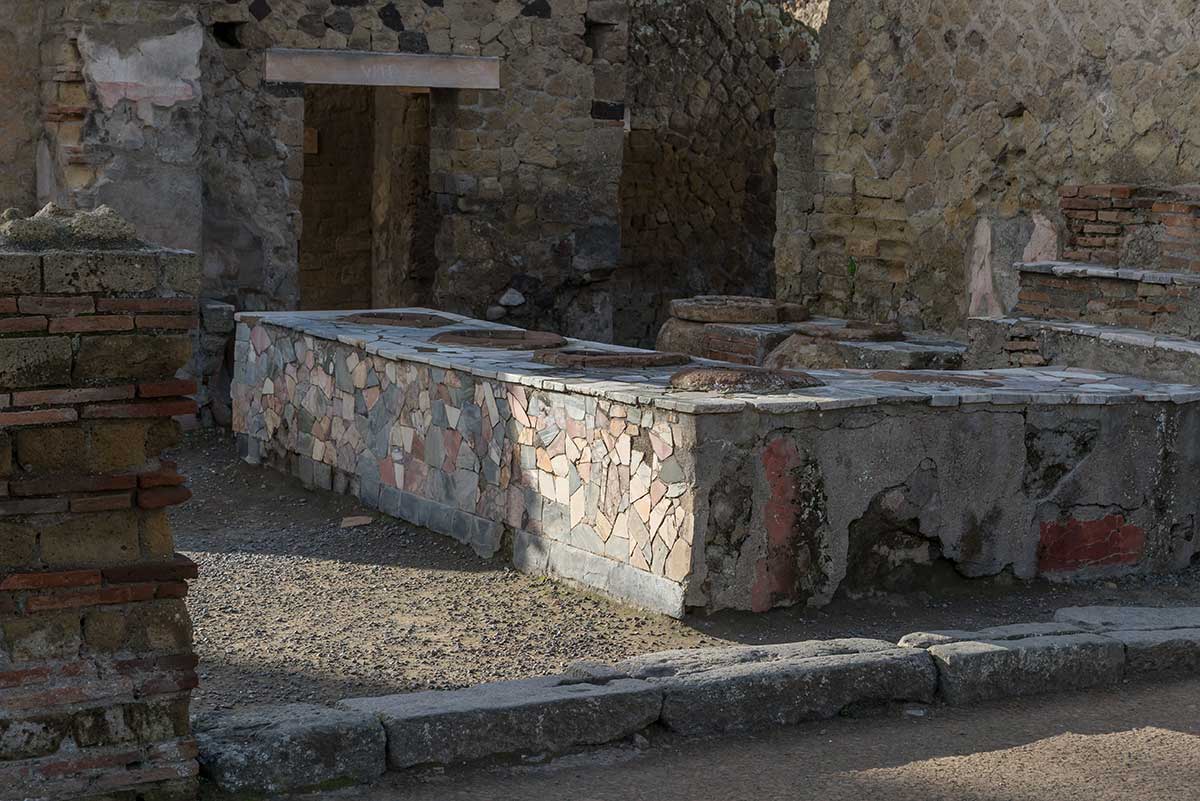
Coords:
pixel 1130 618
pixel 547 714
pixel 1169 651
pixel 714 690
pixel 34 362
pixel 20 273
pixel 984 670
pixel 131 357
pixel 120 271
pixel 180 271
pixel 1018 631
pixel 289 748
pixel 217 317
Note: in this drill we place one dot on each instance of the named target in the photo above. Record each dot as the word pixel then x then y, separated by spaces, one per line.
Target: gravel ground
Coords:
pixel 290 606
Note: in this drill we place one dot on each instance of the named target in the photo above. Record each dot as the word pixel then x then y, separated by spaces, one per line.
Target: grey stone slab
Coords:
pixel 714 690
pixel 1018 631
pixel 1130 618
pixel 982 670
pixel 542 715
pixel 289 748
pixel 1167 651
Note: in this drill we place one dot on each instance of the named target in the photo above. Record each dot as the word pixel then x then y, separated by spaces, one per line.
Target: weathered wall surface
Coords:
pixel 335 243
pixel 945 131
pixel 698 187
pixel 96 661
pixel 525 178
pixel 20 95
pixel 404 220
pixel 121 101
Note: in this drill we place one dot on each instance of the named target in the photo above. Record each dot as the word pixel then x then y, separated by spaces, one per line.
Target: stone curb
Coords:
pixel 272 750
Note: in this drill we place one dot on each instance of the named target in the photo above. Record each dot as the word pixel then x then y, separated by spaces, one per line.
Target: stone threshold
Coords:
pixel 709 691
pixel 1073 269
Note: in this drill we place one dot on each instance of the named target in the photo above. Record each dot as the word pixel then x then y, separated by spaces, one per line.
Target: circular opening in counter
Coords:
pixel 500 339
pixel 591 357
pixel 398 319
pixel 724 380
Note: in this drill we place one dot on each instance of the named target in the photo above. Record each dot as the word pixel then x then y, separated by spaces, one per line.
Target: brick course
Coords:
pixel 96 664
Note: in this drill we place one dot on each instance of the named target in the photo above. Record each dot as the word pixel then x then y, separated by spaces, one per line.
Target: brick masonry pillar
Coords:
pixel 96 660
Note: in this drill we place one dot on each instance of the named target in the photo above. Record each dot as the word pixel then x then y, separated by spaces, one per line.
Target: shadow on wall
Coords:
pixel 699 181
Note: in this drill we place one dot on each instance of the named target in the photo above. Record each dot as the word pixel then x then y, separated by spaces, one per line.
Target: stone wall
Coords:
pixel 336 241
pixel 525 178
pixel 20 96
pixel 96 661
pixel 945 131
pixel 1151 301
pixel 698 187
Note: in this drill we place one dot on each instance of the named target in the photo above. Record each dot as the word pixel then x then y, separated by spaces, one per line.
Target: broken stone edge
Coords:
pixel 708 691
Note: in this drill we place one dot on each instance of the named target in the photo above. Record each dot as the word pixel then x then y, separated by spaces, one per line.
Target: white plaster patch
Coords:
pixel 158 71
pixel 1043 243
pixel 983 301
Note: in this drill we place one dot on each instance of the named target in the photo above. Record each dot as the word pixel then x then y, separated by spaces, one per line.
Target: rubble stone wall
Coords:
pixel 20 97
pixel 698 186
pixel 525 178
pixel 336 239
pixel 96 661
pixel 945 131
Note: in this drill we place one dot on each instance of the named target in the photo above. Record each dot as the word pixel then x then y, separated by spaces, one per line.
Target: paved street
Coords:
pixel 1140 742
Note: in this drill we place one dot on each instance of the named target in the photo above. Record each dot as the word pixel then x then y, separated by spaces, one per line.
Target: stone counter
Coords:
pixel 670 499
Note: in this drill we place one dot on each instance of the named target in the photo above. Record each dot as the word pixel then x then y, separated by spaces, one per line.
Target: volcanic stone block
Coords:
pixel 34 362
pixel 121 271
pixel 20 273
pixel 1170 651
pixel 130 357
pixel 715 690
pixel 984 670
pixel 1130 618
pixel 289 748
pixel 546 714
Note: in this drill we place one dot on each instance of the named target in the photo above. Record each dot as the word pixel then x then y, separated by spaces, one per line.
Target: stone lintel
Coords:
pixel 407 70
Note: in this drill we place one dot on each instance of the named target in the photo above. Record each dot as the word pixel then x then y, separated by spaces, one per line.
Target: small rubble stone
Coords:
pixel 289 748
pixel 985 670
pixel 512 298
pixel 530 716
pixel 741 379
pixel 1130 618
pixel 715 690
pixel 54 227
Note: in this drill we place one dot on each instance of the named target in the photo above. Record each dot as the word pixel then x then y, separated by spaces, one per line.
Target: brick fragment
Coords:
pixel 175 322
pixel 140 409
pixel 102 503
pixel 83 325
pixel 8 305
pixel 58 484
pixel 56 306
pixel 37 418
pixel 105 596
pixel 50 580
pixel 167 389
pixel 162 497
pixel 12 325
pixel 160 478
pixel 178 569
pixel 33 506
pixel 146 305
pixel 63 397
